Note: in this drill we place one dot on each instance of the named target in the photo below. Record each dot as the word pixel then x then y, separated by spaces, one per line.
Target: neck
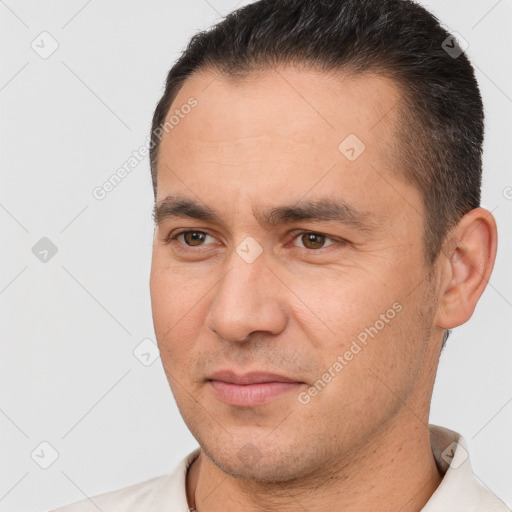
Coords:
pixel 394 470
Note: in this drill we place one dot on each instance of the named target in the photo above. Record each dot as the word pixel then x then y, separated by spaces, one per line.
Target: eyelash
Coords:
pixel 173 238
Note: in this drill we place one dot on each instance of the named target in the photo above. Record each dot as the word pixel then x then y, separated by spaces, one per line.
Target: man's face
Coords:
pixel 340 307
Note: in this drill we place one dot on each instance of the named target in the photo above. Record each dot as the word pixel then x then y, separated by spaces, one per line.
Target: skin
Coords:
pixel 362 442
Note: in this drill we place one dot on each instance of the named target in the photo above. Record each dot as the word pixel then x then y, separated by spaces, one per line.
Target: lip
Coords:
pixel 250 389
pixel 249 378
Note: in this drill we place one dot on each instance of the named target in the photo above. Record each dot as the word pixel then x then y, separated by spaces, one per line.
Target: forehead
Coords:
pixel 308 106
pixel 294 130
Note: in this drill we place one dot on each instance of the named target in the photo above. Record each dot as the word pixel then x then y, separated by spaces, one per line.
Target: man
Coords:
pixel 316 169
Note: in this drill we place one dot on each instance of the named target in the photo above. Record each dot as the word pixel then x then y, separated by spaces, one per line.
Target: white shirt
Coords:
pixel 458 491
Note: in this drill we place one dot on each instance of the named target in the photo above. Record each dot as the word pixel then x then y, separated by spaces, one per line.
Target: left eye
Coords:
pixel 311 240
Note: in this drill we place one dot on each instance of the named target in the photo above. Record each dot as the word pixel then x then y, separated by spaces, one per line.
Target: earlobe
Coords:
pixel 468 258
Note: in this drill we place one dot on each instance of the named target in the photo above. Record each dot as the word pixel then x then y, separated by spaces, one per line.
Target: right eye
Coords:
pixel 188 238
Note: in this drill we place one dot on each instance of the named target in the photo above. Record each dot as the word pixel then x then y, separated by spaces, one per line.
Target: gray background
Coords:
pixel 69 376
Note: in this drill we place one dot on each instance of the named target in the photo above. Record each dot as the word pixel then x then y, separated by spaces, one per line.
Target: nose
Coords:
pixel 248 299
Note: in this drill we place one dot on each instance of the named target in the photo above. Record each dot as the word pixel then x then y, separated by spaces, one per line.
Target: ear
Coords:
pixel 466 262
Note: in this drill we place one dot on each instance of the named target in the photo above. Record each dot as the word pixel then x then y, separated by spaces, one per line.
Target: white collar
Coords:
pixel 459 489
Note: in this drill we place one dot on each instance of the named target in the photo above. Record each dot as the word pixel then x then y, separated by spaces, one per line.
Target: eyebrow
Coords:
pixel 320 210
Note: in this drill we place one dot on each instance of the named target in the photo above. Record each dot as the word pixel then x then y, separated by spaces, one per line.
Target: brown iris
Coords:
pixel 313 240
pixel 194 237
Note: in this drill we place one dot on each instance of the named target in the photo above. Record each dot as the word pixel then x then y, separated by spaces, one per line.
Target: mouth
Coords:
pixel 250 389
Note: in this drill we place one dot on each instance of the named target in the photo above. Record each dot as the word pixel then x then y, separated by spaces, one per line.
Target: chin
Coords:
pixel 263 461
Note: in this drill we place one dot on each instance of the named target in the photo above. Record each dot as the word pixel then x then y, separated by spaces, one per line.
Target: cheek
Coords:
pixel 178 305
pixel 174 290
pixel 333 308
pixel 367 370
pixel 364 334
